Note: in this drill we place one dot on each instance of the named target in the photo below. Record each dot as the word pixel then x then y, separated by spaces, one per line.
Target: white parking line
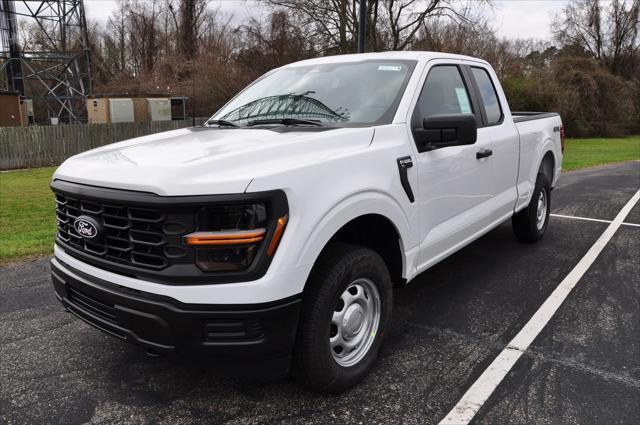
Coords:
pixel 573 217
pixel 483 387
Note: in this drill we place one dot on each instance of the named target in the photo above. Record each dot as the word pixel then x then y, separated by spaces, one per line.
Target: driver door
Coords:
pixel 454 184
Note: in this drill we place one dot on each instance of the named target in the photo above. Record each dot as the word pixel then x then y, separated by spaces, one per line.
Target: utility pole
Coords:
pixel 193 92
pixel 362 26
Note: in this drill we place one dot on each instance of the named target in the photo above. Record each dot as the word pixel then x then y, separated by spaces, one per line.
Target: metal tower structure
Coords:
pixel 53 67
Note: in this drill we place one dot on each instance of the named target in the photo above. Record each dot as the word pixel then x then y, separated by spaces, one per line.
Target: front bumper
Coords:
pixel 163 325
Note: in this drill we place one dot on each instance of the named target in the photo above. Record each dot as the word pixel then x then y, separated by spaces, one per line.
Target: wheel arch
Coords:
pixel 548 165
pixel 548 160
pixel 378 233
pixel 370 219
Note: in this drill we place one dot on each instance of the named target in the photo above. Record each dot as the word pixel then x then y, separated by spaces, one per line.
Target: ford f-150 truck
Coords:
pixel 273 234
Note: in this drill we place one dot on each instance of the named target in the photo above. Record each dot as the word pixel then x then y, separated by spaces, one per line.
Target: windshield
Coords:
pixel 352 93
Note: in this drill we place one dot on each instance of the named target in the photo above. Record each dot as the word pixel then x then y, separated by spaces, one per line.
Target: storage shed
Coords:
pixel 102 109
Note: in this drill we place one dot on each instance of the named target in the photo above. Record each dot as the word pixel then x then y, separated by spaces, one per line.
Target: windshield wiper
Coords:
pixel 223 123
pixel 285 121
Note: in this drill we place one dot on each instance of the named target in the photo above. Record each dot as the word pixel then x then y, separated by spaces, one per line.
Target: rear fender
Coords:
pixel 525 188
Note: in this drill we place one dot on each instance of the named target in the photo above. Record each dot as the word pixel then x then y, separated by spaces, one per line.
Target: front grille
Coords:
pixel 147 238
pixel 140 234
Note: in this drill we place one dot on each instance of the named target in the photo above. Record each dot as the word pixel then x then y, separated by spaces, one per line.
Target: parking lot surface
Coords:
pixel 449 325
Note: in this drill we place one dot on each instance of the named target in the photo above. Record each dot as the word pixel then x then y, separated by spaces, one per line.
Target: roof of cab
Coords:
pixel 401 55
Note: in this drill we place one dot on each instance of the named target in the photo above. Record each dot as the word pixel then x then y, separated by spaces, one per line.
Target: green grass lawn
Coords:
pixel 27 219
pixel 582 153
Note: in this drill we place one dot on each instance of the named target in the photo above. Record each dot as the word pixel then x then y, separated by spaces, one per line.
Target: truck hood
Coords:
pixel 195 161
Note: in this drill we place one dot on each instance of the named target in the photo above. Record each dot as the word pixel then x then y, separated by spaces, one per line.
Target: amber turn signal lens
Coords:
pixel 280 225
pixel 235 237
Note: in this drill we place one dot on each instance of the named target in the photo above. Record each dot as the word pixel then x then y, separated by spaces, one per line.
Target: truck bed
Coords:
pixel 521 116
pixel 535 128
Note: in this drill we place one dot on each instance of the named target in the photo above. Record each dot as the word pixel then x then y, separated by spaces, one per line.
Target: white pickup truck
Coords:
pixel 273 234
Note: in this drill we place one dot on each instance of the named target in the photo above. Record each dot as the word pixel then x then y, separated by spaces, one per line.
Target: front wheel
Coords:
pixel 531 223
pixel 345 314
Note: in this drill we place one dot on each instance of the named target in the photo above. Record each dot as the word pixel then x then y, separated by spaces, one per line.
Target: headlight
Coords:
pixel 229 237
pixel 233 217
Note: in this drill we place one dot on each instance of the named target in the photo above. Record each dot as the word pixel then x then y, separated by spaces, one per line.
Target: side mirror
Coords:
pixel 439 131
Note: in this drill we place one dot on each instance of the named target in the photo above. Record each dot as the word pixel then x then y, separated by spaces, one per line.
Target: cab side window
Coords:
pixel 444 92
pixel 488 95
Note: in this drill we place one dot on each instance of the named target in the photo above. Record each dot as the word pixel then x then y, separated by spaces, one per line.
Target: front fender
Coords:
pixel 350 208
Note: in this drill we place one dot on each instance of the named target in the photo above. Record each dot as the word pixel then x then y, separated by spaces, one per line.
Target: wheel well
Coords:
pixel 377 233
pixel 547 166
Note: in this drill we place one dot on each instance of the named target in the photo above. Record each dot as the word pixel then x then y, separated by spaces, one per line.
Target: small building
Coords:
pixel 102 109
pixel 11 110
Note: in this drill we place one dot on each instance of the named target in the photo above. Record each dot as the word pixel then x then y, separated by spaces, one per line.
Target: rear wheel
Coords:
pixel 345 314
pixel 530 224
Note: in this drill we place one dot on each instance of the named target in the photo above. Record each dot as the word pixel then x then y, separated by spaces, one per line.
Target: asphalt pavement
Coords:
pixel 449 325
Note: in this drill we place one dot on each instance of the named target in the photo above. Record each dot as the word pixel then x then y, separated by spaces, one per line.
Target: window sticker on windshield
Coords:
pixel 389 68
pixel 463 100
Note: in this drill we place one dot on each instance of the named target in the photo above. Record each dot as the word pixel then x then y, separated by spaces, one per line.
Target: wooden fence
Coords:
pixel 41 146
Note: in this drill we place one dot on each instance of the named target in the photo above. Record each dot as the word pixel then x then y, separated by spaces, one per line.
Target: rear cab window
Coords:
pixel 488 95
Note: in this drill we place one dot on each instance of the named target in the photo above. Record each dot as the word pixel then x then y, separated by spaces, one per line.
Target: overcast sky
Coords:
pixel 511 18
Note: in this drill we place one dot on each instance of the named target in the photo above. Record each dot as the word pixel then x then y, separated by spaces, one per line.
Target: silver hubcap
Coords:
pixel 542 210
pixel 354 324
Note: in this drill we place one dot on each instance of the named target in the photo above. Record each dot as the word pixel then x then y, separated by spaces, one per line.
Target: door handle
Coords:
pixel 484 153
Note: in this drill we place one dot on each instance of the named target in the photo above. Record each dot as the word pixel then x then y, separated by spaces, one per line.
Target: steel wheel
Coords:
pixel 530 224
pixel 541 213
pixel 345 315
pixel 355 321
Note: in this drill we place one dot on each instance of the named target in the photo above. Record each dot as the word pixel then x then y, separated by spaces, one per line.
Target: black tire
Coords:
pixel 525 222
pixel 340 264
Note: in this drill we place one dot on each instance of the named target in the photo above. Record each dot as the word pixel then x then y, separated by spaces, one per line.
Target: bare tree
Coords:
pixel 624 41
pixel 405 18
pixel 268 44
pixel 607 31
pixel 329 22
pixel 116 35
pixel 467 37
pixel 192 15
pixel 188 32
pixel 391 24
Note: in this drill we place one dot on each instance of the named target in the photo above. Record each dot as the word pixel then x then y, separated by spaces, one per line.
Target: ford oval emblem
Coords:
pixel 87 227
